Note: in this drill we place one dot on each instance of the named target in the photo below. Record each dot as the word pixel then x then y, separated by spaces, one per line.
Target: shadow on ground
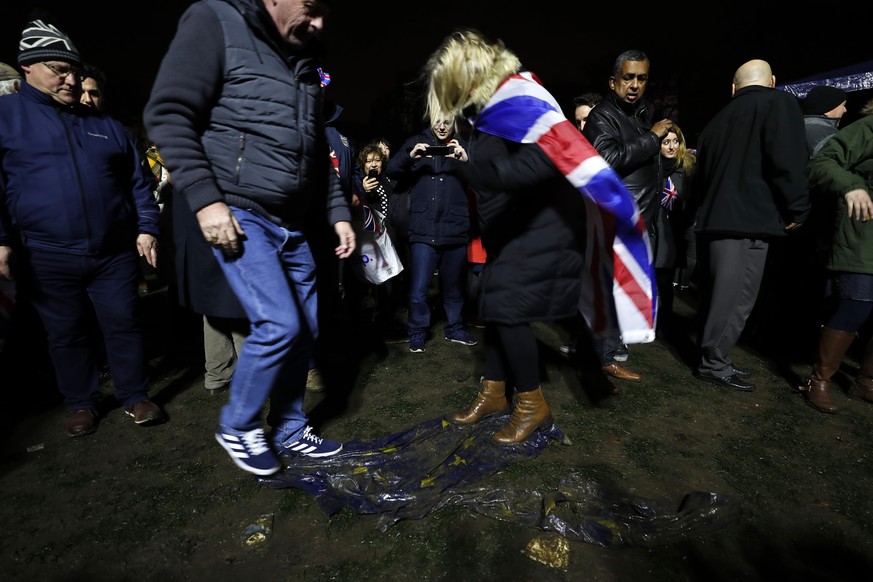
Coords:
pixel 770 488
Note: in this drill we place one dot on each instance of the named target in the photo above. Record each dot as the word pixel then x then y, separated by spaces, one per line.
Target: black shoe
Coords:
pixel 741 372
pixel 733 381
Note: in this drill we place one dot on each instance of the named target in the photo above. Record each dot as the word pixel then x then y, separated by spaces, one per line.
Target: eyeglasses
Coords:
pixel 63 73
pixel 443 123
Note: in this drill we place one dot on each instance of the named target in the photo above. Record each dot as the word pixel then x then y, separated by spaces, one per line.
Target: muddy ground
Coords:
pixel 165 502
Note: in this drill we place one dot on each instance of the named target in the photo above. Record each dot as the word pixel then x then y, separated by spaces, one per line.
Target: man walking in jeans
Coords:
pixel 237 111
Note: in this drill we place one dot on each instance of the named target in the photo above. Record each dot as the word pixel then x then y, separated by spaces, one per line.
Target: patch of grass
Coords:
pixel 401 411
pixel 293 500
pixel 460 398
pixel 645 452
pixel 363 428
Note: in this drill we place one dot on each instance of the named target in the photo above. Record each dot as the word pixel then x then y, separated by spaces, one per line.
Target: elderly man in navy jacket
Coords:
pixel 77 212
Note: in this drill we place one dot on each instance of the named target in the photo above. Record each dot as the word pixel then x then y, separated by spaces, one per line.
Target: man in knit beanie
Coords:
pixel 50 61
pixel 41 42
pixel 76 216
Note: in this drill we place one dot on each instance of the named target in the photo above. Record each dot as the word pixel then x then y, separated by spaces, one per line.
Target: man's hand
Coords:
pixel 860 205
pixel 147 246
pixel 346 236
pixel 220 228
pixel 662 127
pixel 6 263
pixel 792 226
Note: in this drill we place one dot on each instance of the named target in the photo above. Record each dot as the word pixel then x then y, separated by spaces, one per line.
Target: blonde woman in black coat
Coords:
pixel 531 217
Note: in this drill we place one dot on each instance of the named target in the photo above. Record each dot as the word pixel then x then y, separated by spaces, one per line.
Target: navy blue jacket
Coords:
pixel 439 212
pixel 350 173
pixel 72 180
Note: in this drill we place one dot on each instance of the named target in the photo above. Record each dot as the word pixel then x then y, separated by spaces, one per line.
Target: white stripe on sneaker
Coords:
pixel 235 447
pixel 249 451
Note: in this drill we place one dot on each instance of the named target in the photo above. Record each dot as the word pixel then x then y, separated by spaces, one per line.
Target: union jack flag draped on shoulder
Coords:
pixel 619 284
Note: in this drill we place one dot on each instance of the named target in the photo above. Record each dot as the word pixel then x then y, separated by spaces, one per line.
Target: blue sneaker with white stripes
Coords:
pixel 310 445
pixel 249 450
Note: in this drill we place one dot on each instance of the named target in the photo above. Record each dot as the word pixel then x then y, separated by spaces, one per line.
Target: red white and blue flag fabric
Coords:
pixel 619 290
pixel 373 220
pixel 669 195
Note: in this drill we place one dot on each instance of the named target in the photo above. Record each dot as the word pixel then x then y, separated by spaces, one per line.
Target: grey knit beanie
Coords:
pixel 45 42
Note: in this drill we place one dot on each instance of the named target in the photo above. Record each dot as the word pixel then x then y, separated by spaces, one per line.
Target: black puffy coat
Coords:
pixel 201 284
pixel 534 235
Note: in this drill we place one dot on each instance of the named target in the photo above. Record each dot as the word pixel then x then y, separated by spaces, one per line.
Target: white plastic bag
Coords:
pixel 377 259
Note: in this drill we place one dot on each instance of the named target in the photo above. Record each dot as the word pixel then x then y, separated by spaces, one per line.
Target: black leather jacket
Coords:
pixel 621 135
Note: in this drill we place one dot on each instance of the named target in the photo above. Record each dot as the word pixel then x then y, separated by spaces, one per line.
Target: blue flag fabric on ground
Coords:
pixel 437 464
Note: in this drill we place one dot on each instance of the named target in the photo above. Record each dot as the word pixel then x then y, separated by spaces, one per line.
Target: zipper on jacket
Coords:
pixel 239 158
pixel 64 117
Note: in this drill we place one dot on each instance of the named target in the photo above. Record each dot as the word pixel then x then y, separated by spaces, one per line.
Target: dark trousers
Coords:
pixel 731 277
pixel 451 260
pixel 61 287
pixel 512 355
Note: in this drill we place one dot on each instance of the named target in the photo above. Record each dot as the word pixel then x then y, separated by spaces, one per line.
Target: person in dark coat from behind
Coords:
pixel 532 221
pixel 203 288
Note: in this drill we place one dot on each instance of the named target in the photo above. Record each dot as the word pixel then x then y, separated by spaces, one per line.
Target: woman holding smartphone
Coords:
pixel 378 191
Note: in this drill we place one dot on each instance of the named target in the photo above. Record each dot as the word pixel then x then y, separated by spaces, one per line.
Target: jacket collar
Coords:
pixel 636 109
pixel 31 93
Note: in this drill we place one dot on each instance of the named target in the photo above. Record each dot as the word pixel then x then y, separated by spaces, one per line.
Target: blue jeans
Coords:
pixel 452 263
pixel 274 279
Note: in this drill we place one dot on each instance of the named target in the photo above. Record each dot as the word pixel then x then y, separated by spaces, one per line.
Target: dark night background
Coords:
pixel 376 49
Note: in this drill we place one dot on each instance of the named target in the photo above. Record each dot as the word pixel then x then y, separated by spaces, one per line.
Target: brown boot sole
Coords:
pixel 820 409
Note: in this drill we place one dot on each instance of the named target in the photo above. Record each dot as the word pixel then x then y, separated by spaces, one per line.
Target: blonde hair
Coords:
pixel 867 109
pixel 685 157
pixel 464 72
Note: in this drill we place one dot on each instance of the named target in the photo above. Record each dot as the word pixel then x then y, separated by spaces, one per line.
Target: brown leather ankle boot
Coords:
pixel 862 387
pixel 832 346
pixel 529 413
pixel 490 400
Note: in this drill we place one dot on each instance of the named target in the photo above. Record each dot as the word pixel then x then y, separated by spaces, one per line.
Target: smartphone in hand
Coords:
pixel 439 150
